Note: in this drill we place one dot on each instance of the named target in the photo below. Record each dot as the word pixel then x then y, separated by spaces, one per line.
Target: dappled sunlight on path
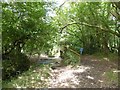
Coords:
pixel 92 73
pixel 66 77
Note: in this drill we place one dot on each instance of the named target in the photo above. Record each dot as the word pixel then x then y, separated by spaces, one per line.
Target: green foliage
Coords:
pixel 70 58
pixel 90 25
pixel 28 28
pixel 14 65
pixel 25 29
pixel 35 77
pixel 26 19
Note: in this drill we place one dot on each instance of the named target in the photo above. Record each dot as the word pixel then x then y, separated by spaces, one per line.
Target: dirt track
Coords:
pixel 90 74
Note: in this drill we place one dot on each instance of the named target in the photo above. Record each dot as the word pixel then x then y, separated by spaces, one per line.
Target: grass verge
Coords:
pixel 36 77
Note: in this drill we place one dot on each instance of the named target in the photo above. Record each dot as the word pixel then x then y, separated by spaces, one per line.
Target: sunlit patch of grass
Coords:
pixel 99 55
pixel 113 57
pixel 111 77
pixel 109 57
pixel 35 77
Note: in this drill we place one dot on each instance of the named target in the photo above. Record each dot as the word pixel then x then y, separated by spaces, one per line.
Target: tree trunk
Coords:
pixel 105 43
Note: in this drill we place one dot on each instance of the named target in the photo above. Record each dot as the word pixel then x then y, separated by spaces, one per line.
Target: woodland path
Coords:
pixel 90 74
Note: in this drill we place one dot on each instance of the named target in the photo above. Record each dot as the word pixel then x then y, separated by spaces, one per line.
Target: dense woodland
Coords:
pixel 30 28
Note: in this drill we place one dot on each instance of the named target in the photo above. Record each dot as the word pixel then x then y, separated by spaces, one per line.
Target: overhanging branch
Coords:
pixel 89 25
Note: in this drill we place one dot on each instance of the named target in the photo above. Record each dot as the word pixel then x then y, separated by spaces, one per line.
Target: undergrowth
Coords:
pixel 109 56
pixel 111 77
pixel 35 77
pixel 71 59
